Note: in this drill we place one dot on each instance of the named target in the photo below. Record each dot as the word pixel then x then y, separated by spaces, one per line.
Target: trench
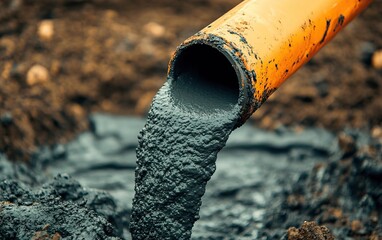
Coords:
pixel 189 122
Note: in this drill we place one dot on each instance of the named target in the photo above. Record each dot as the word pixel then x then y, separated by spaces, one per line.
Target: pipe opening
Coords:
pixel 203 79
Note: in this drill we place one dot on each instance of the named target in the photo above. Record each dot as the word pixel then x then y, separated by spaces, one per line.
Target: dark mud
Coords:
pixel 61 207
pixel 254 165
pixel 310 230
pixel 263 185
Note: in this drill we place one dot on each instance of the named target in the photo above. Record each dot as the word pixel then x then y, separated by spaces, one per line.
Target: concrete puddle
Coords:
pixel 253 166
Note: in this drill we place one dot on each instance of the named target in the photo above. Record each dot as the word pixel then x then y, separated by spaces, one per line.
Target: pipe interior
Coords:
pixel 203 79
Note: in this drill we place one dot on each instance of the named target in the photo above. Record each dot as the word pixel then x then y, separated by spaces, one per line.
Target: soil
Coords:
pixel 310 230
pixel 60 60
pixel 63 60
pixel 343 194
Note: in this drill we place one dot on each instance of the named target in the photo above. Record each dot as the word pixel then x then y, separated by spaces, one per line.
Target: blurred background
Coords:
pixel 60 60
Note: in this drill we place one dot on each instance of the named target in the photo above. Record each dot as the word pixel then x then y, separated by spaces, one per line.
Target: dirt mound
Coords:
pixel 61 59
pixel 344 194
pixel 60 208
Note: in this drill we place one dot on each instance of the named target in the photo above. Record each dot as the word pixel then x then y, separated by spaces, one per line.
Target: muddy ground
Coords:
pixel 263 185
pixel 63 60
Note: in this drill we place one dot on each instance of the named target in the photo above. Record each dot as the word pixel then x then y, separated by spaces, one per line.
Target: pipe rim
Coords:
pixel 245 97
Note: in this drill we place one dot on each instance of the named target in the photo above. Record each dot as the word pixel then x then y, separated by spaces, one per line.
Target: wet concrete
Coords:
pixel 189 122
pixel 175 160
pixel 253 167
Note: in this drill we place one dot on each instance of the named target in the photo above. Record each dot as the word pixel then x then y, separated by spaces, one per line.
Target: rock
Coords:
pixel 356 225
pixel 62 207
pixel 310 231
pixel 154 29
pixel 37 74
pixel 376 132
pixel 77 110
pixel 376 59
pixel 46 30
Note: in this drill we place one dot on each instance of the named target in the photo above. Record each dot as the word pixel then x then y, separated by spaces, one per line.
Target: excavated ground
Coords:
pixel 63 60
pixel 98 55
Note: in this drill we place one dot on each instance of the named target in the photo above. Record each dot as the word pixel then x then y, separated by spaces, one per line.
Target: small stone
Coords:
pixel 337 213
pixel 376 59
pixel 293 233
pixel 154 29
pixel 7 69
pixel 46 30
pixel 111 14
pixel 376 132
pixel 310 230
pixel 356 225
pixel 15 5
pixel 37 74
pixel 77 110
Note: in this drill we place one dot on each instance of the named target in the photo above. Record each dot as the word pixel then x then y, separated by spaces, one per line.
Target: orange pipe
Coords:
pixel 266 41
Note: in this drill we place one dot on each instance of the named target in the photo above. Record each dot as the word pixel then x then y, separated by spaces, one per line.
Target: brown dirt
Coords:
pixel 60 60
pixel 310 230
